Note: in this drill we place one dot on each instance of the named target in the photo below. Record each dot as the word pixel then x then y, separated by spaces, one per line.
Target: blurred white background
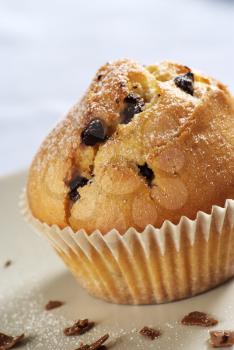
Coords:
pixel 50 49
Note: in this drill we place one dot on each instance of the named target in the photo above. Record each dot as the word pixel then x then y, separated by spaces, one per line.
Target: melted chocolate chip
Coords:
pixel 95 132
pixel 133 104
pixel 147 173
pixel 78 181
pixel 74 196
pixel 79 327
pixel 185 82
pixel 8 342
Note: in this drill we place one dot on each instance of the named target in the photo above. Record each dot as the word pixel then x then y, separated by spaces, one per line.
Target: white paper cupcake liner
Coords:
pixel 155 266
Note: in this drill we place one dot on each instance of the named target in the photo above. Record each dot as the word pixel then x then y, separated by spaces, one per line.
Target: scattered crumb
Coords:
pixel 53 304
pixel 8 342
pixel 197 318
pixel 97 345
pixel 79 327
pixel 150 333
pixel 221 339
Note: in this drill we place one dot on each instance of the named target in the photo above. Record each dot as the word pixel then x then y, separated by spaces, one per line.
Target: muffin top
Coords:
pixel 144 145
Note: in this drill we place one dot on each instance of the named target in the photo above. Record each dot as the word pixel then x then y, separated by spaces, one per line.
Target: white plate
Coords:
pixel 37 275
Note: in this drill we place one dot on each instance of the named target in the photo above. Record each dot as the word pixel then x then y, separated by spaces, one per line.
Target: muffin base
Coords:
pixel 155 266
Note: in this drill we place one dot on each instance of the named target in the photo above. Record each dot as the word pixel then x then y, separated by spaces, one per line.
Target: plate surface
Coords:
pixel 37 275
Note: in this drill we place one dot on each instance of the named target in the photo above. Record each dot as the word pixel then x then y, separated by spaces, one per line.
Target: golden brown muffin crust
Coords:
pixel 167 150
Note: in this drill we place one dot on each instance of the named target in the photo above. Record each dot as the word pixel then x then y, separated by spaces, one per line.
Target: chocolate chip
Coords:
pixel 146 172
pixel 185 82
pixel 74 184
pixel 95 132
pixel 8 342
pixel 150 333
pixel 74 196
pixel 53 304
pixel 222 339
pixel 133 104
pixel 78 181
pixel 197 318
pixel 97 345
pixel 79 327
pixel 99 77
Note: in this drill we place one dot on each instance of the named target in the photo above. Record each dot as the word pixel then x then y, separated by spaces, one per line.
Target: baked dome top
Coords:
pixel 143 145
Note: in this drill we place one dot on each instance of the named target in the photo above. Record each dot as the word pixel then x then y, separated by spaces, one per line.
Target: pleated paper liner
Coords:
pixel 155 266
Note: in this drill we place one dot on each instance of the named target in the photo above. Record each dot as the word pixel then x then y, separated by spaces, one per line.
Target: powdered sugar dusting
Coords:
pixel 22 310
pixel 100 100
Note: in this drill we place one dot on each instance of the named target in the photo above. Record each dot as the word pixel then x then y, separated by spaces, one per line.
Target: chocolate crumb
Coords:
pixel 8 342
pixel 7 263
pixel 53 304
pixel 221 339
pixel 146 172
pixel 74 184
pixel 133 104
pixel 197 318
pixel 150 333
pixel 185 82
pixel 97 345
pixel 95 132
pixel 79 327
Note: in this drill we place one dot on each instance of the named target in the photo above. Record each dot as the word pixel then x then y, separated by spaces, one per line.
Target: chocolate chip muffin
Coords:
pixel 135 187
pixel 145 144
